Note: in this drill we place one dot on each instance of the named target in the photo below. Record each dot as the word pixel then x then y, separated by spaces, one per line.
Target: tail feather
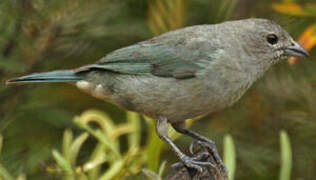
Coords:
pixel 53 76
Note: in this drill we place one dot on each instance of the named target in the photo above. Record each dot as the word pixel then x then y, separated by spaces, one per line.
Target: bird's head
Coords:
pixel 267 40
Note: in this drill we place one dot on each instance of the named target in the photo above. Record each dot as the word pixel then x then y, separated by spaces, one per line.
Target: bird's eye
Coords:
pixel 272 39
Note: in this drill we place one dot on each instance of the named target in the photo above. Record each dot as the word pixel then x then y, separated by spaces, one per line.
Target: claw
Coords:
pixel 201 156
pixel 204 163
pixel 193 162
pixel 212 147
pixel 177 165
pixel 193 146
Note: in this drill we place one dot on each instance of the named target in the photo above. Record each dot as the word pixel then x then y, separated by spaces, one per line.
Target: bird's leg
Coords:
pixel 181 128
pixel 162 131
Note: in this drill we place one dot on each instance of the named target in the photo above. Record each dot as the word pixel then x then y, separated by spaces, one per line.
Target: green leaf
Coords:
pixel 113 170
pixel 229 156
pixel 134 137
pixel 62 162
pixel 98 153
pixel 5 174
pixel 1 143
pixel 154 146
pixel 93 164
pixel 162 168
pixel 286 156
pixel 67 139
pixel 103 133
pixel 76 146
pixel 151 175
pixel 21 177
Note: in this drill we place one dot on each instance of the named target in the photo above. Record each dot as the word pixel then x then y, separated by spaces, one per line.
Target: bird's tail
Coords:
pixel 53 76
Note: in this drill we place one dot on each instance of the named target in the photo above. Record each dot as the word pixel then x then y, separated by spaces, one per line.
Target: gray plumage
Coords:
pixel 229 58
pixel 184 73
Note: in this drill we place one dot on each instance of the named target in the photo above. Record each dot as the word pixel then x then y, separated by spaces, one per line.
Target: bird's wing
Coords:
pixel 156 59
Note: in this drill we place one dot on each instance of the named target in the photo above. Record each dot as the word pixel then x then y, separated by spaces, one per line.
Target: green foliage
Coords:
pixel 122 165
pixel 286 156
pixel 165 15
pixel 153 175
pixel 155 146
pixel 229 156
pixel 106 151
pixel 4 174
pixel 222 10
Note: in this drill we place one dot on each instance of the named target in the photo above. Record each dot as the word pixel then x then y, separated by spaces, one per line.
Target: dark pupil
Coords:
pixel 272 39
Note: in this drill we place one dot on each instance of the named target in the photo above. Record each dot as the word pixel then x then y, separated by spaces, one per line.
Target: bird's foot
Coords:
pixel 210 145
pixel 193 162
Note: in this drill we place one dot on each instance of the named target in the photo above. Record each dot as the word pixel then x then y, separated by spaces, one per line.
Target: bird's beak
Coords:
pixel 295 49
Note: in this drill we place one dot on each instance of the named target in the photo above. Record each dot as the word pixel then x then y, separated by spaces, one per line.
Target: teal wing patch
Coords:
pixel 157 59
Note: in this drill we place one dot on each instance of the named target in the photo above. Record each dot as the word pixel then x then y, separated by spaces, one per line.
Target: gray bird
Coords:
pixel 183 74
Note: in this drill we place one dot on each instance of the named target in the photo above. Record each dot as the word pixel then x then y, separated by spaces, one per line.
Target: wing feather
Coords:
pixel 156 59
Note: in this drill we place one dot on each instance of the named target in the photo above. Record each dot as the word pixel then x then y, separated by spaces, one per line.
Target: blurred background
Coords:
pixel 54 131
